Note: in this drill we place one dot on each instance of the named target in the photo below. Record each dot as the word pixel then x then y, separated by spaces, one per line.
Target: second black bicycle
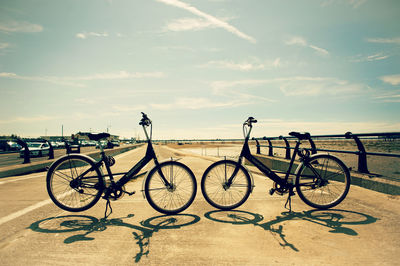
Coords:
pixel 321 180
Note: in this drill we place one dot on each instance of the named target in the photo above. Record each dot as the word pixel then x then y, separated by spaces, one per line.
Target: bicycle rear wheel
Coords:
pixel 74 183
pixel 323 181
pixel 214 185
pixel 174 199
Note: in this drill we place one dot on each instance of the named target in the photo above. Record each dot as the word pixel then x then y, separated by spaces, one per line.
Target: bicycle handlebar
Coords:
pixel 250 121
pixel 145 121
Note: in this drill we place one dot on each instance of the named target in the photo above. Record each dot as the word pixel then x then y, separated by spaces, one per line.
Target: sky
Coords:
pixel 199 68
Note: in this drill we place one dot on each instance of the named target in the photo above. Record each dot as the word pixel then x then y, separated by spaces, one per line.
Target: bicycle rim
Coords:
pixel 215 191
pixel 74 184
pixel 323 182
pixel 171 200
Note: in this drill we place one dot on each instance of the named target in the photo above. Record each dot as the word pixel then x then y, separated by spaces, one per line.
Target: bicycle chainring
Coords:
pixel 117 194
pixel 279 189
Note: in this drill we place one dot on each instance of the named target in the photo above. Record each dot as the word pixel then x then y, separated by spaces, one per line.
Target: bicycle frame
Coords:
pixel 150 155
pixel 246 153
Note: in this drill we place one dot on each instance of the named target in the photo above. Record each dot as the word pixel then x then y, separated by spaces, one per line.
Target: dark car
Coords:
pixel 9 145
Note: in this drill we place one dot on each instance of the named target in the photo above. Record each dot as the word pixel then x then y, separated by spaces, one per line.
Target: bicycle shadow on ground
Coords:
pixel 88 225
pixel 333 219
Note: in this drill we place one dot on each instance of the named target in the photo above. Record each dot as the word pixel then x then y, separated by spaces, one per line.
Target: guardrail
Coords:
pixel 362 153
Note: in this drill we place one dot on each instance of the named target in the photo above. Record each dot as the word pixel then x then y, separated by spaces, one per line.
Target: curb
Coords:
pixel 22 169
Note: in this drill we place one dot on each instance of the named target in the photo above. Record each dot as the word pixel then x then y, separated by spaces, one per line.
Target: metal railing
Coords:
pixel 361 152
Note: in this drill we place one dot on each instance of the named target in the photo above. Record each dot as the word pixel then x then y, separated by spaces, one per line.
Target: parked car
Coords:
pixel 54 144
pixel 115 143
pixel 36 149
pixel 9 145
pixel 60 144
pixel 103 143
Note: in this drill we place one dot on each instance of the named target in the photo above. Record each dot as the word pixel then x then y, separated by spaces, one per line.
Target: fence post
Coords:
pixel 287 147
pixel 313 147
pixel 258 146
pixel 27 157
pixel 67 148
pixel 51 151
pixel 270 148
pixel 362 154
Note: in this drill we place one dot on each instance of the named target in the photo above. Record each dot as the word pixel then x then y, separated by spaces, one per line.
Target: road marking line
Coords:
pixel 24 211
pixel 124 154
pixel 20 179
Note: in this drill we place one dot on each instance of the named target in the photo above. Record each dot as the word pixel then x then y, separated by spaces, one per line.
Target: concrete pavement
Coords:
pixel 362 230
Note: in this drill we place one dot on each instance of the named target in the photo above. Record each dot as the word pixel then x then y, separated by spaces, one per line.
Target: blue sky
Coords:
pixel 199 68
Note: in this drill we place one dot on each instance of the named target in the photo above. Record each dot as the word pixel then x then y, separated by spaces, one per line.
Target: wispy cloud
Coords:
pixel 197 103
pixel 20 26
pixel 120 75
pixel 85 35
pixel 129 108
pixel 4 45
pixel 369 58
pixel 303 86
pixel 300 41
pixel 391 79
pixel 393 97
pixel 242 66
pixel 54 80
pixel 385 40
pixel 278 127
pixel 28 119
pixel 185 24
pixel 73 81
pixel 295 86
pixel 209 20
pixel 353 3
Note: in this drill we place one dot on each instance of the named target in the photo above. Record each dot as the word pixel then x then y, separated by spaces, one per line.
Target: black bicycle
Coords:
pixel 75 182
pixel 321 180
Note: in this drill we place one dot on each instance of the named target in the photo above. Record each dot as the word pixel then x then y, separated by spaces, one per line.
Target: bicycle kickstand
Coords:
pixel 108 204
pixel 289 199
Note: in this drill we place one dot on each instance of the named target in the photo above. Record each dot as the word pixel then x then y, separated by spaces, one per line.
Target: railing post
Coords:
pixel 27 157
pixel 362 154
pixel 51 150
pixel 270 148
pixel 312 144
pixel 67 148
pixel 287 147
pixel 258 146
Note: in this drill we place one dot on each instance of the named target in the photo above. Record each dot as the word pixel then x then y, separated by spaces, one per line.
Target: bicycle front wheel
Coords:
pixel 176 197
pixel 74 183
pixel 323 181
pixel 218 193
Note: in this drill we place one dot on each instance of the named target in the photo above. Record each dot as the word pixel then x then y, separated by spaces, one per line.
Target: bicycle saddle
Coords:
pixel 98 136
pixel 299 135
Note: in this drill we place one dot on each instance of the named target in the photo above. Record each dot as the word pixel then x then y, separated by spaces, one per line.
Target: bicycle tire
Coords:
pixel 213 182
pixel 69 193
pixel 323 181
pixel 177 199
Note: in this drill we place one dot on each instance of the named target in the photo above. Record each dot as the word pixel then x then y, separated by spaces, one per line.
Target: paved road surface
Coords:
pixel 363 230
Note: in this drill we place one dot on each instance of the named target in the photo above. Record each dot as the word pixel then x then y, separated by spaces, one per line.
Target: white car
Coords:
pixel 36 149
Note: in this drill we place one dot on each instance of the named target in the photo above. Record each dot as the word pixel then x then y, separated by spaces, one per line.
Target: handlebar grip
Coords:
pixel 250 120
pixel 145 121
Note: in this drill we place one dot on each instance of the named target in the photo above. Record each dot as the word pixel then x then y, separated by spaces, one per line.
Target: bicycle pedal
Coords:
pixel 130 193
pixel 272 191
